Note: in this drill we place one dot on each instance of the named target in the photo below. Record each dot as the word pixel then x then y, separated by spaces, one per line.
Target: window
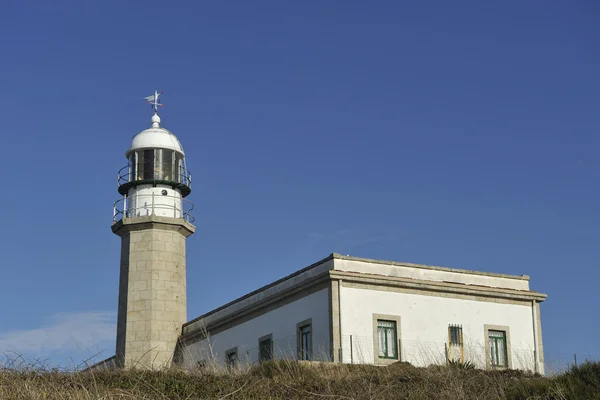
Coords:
pixel 498 348
pixel 148 157
pixel 305 336
pixel 131 169
pixel 231 357
pixel 139 169
pixel 455 343
pixel 455 335
pixel 164 165
pixel 386 335
pixel 265 348
pixel 387 348
pixel 304 341
pixel 179 171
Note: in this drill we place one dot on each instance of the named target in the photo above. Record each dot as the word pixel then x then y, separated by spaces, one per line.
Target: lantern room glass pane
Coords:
pixel 157 164
pixel 131 168
pixel 140 165
pixel 148 164
pixel 178 168
pixel 165 167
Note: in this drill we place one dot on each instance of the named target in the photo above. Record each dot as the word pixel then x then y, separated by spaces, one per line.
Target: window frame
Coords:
pixel 387 330
pixel 231 363
pixel 260 341
pixel 398 342
pixel 454 344
pixel 301 352
pixel 149 163
pixel 508 351
pixel 495 346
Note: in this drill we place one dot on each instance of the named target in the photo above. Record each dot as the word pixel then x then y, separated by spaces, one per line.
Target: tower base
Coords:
pixel 152 290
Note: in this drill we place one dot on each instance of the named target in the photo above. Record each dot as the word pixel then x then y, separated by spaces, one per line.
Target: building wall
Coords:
pixel 280 322
pixel 260 295
pixel 423 329
pixel 428 273
pixel 144 200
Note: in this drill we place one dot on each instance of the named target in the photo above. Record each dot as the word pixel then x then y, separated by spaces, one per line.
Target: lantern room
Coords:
pixel 155 180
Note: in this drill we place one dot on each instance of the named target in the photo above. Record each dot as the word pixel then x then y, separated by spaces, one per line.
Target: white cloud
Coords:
pixel 315 237
pixel 62 332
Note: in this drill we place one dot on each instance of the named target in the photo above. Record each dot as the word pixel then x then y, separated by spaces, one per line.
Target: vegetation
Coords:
pixel 299 380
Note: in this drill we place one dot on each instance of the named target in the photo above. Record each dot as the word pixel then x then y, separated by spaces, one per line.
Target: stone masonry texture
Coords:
pixel 152 292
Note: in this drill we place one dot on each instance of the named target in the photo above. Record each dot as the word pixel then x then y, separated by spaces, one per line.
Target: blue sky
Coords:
pixel 459 134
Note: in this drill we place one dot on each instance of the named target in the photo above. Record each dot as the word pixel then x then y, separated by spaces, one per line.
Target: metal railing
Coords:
pixel 159 172
pixel 153 204
pixel 356 349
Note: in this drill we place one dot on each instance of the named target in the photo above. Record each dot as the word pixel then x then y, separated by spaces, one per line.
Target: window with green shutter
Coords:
pixel 498 350
pixel 387 339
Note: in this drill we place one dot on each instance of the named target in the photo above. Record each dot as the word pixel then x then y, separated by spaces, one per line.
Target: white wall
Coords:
pixel 424 326
pixel 281 323
pixel 273 289
pixel 148 200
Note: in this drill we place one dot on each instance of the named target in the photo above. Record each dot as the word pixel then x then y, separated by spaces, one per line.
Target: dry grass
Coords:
pixel 293 380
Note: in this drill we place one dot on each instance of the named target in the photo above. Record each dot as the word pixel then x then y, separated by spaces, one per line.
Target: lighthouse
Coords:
pixel 153 220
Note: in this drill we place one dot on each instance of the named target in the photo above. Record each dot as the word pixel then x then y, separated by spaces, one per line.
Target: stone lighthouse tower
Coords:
pixel 153 221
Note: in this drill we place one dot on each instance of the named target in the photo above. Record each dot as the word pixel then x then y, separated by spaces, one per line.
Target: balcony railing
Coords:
pixel 154 173
pixel 153 204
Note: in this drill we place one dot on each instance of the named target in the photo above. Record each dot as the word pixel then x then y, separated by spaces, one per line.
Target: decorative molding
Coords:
pixel 457 290
pixel 127 225
pixel 430 267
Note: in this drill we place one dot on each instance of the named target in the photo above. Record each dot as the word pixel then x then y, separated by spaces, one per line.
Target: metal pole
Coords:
pixel 399 349
pixel 446 352
pixel 575 358
pixel 340 284
pixel 351 351
pixel 152 203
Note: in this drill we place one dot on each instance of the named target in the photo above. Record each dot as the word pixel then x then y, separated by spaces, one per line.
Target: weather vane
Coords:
pixel 154 101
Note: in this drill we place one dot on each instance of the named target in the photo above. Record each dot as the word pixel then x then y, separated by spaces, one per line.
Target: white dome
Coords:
pixel 155 138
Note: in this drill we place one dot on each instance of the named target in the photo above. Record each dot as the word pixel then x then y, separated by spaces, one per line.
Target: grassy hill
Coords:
pixel 293 380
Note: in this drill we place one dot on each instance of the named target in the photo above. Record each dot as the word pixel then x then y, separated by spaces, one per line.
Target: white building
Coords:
pixel 340 309
pixel 354 310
